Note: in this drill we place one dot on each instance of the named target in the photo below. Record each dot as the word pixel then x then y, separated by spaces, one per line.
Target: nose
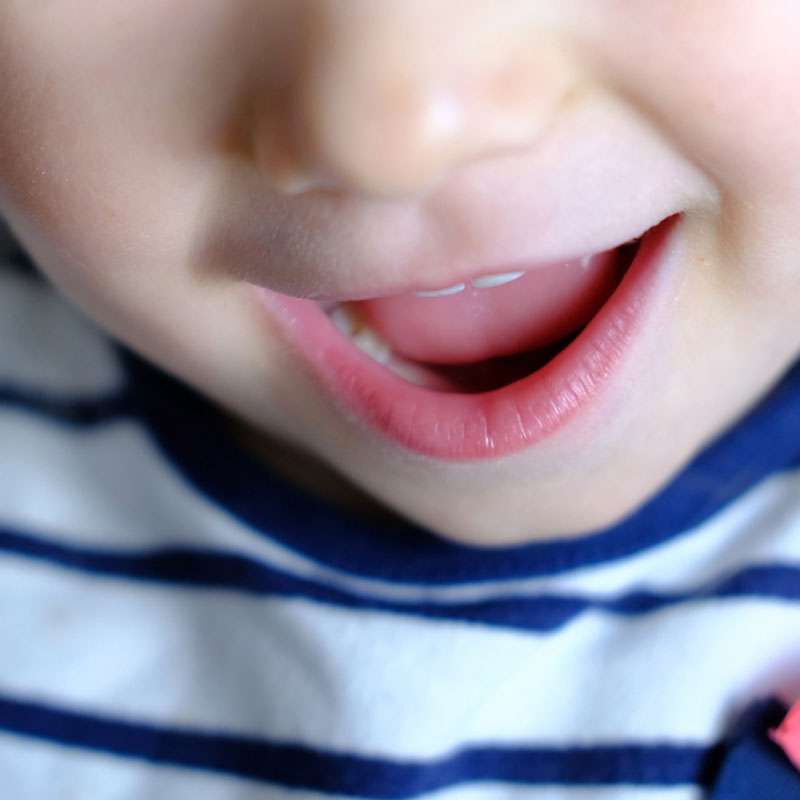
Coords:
pixel 387 98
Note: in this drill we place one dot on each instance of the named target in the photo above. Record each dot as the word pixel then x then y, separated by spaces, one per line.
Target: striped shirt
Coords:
pixel 177 622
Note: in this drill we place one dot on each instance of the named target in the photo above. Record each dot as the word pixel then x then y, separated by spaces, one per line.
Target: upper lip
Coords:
pixel 502 216
pixel 447 272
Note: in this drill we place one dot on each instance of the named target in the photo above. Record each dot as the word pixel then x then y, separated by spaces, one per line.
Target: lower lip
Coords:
pixel 470 427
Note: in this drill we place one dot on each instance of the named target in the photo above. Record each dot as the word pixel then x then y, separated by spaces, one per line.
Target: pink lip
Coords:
pixel 462 427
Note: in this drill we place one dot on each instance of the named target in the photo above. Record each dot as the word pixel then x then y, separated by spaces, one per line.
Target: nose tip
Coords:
pixel 376 109
pixel 402 136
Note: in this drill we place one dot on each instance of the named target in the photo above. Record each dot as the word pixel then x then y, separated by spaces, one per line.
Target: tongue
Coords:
pixel 546 304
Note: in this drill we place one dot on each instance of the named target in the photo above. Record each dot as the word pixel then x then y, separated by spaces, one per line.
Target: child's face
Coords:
pixel 158 159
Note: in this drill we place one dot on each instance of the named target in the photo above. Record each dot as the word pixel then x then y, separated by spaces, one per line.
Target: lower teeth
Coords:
pixel 349 322
pixel 463 378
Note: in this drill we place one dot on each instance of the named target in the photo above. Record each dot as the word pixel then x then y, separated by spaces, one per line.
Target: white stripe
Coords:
pixel 107 487
pixel 34 770
pixel 47 345
pixel 384 684
pixel 110 487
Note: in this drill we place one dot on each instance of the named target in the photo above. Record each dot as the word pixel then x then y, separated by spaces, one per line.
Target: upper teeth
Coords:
pixel 484 282
pixel 459 287
pixel 487 281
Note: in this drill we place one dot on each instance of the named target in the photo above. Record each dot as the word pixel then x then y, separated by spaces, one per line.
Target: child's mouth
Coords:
pixel 485 334
pixel 474 373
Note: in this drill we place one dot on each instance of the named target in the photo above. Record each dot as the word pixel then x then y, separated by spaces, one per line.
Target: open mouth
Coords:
pixel 490 367
pixel 477 338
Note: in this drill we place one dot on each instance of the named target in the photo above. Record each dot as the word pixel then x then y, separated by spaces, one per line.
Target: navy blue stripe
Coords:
pixel 14 259
pixel 183 567
pixel 191 434
pixel 299 767
pixel 78 412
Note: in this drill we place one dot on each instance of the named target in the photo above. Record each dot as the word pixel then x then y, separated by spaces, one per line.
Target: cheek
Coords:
pixel 109 124
pixel 720 78
pixel 108 166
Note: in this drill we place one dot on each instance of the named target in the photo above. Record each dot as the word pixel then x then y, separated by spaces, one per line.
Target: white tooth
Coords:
pixel 370 343
pixel 459 287
pixel 419 375
pixel 350 323
pixel 408 372
pixel 488 281
pixel 344 319
pixel 585 261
